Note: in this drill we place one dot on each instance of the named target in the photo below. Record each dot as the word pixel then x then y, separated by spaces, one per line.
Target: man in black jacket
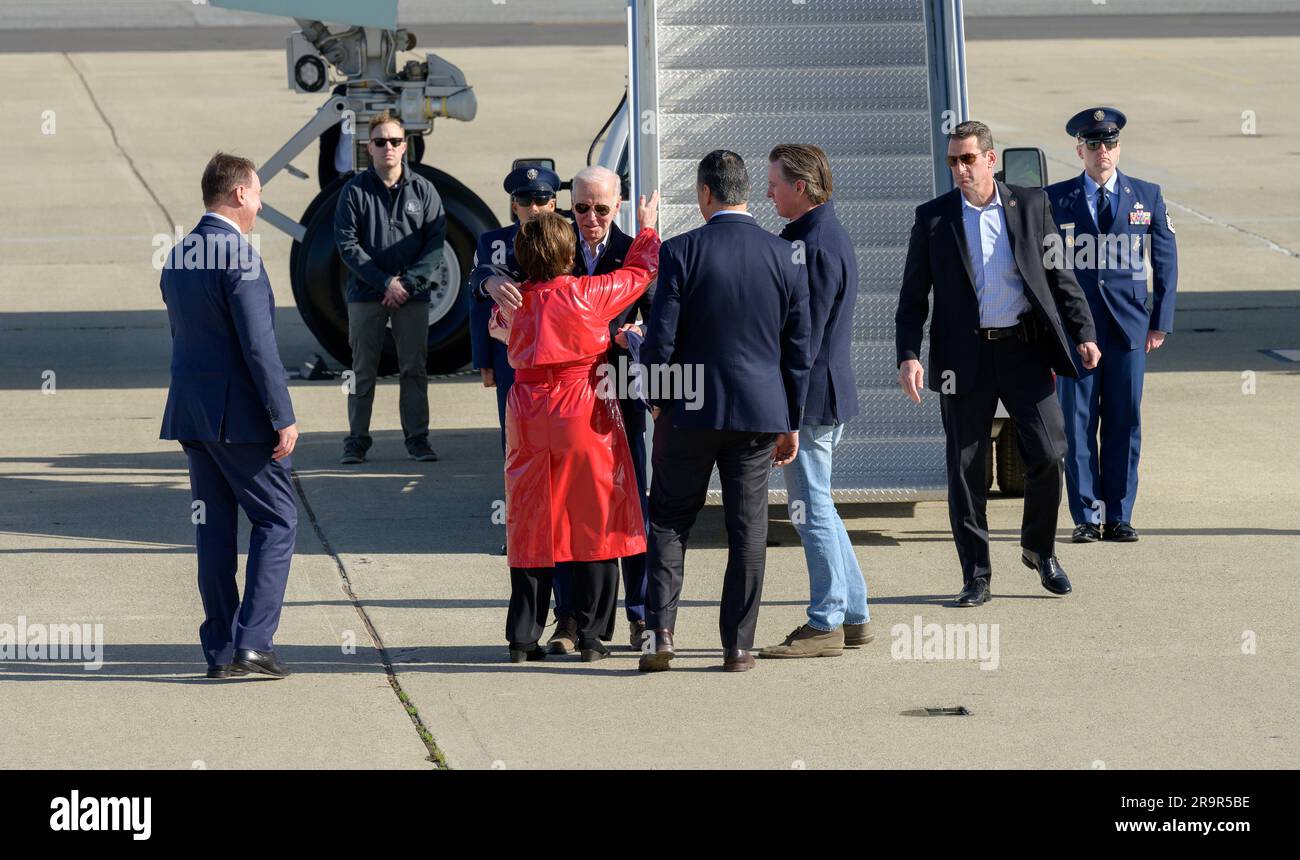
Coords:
pixel 1003 321
pixel 390 228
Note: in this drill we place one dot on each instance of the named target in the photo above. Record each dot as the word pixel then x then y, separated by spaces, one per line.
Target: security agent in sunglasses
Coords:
pixel 532 190
pixel 1134 265
pixel 1003 321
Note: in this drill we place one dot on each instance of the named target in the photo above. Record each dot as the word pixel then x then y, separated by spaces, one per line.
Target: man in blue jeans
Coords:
pixel 799 184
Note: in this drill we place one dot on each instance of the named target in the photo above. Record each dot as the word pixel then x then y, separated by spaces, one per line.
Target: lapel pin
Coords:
pixel 1138 205
pixel 1011 202
pixel 1128 190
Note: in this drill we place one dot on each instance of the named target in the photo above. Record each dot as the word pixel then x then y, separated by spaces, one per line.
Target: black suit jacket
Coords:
pixel 937 257
pixel 732 302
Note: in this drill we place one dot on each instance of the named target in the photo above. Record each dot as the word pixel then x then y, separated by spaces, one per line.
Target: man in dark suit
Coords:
pixel 1003 321
pixel 597 193
pixel 229 407
pixel 730 310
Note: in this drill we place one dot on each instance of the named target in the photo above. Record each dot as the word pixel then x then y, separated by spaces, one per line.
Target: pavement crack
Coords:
pixel 345 582
pixel 1210 219
pixel 113 131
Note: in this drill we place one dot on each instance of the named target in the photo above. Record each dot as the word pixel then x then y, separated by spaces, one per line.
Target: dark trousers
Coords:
pixel 226 477
pixel 1016 373
pixel 683 462
pixel 1101 482
pixel 634 572
pixel 595 597
pixel 367 322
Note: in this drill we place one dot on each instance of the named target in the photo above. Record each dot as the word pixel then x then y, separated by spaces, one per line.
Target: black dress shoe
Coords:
pixel 592 650
pixel 660 657
pixel 974 593
pixel 530 653
pixel 261 662
pixel 1120 532
pixel 1050 572
pixel 1086 533
pixel 737 660
pixel 218 673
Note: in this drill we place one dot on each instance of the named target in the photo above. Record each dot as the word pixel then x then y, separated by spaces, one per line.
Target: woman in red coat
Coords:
pixel 571 493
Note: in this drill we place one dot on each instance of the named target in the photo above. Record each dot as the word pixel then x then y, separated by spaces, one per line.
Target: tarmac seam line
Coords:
pixel 435 755
pixel 113 132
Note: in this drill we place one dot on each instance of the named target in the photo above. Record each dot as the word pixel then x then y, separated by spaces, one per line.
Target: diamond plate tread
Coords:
pixel 841 135
pixel 856 180
pixel 777 91
pixel 882 223
pixel 776 13
pixel 807 46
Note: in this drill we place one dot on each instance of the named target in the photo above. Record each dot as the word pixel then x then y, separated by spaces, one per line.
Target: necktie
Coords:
pixel 1104 216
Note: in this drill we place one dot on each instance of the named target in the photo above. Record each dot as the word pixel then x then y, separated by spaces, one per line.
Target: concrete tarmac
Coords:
pixel 1177 651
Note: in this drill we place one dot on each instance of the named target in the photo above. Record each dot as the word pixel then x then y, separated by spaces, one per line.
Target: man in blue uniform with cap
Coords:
pixel 532 190
pixel 1119 241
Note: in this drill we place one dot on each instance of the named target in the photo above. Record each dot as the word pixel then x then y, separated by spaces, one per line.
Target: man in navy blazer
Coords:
pixel 731 311
pixel 799 184
pixel 228 406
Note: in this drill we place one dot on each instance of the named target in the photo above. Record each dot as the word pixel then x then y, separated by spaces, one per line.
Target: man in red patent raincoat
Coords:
pixel 571 493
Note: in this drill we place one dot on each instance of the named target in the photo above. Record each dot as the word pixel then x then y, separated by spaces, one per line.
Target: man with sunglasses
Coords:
pixel 1003 321
pixel 390 228
pixel 1134 260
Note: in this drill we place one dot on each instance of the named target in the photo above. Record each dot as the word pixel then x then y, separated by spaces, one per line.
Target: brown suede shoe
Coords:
pixel 565 638
pixel 635 633
pixel 660 658
pixel 808 641
pixel 857 635
pixel 737 660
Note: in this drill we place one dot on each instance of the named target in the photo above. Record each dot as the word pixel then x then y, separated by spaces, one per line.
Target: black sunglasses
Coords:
pixel 1109 143
pixel 966 158
pixel 394 142
pixel 538 199
pixel 583 208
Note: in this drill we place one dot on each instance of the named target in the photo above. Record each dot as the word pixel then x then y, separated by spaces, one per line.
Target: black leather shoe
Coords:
pixel 530 653
pixel 1120 532
pixel 218 673
pixel 737 660
pixel 1086 533
pixel 1050 572
pixel 661 654
pixel 592 650
pixel 974 593
pixel 261 662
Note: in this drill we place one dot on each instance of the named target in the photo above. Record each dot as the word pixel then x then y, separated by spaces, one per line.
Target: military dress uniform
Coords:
pixel 1129 276
pixel 495 255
